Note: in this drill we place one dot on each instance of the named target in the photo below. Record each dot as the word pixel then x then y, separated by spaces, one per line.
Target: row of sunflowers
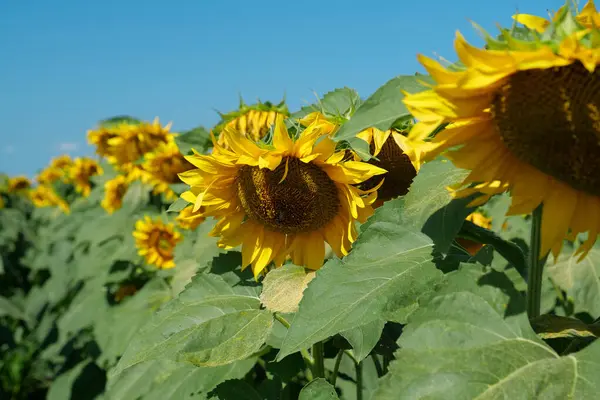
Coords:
pixel 435 240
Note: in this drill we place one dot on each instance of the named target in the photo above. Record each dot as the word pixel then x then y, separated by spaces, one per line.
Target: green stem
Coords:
pixel 378 366
pixel 359 381
pixel 308 360
pixel 319 364
pixel 536 265
pixel 336 366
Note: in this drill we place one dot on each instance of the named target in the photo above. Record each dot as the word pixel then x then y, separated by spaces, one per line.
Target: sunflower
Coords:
pixel 114 191
pixel 156 241
pixel 49 175
pixel 480 220
pixel 81 172
pixel 283 199
pixel 126 142
pixel 125 290
pixel 18 184
pixel 45 196
pixel 394 154
pixel 524 119
pixel 252 121
pixel 162 166
pixel 188 219
pixel 327 125
pixel 588 17
pixel 61 162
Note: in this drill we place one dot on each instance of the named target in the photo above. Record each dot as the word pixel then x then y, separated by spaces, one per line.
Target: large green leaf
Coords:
pixel 381 109
pixel 467 341
pixel 283 288
pixel 318 389
pixel 207 324
pixel 164 379
pixel 85 381
pixel 339 104
pixel 581 280
pixel 389 267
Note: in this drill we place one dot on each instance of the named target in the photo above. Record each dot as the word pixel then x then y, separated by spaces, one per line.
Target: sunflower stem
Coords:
pixel 308 360
pixel 359 381
pixel 536 265
pixel 336 366
pixel 319 360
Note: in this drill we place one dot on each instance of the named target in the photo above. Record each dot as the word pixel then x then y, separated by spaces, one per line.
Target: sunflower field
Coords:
pixel 437 239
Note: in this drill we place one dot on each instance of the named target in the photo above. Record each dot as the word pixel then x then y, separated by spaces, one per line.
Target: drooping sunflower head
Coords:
pixel 162 166
pixel 125 290
pixel 188 219
pixel 252 121
pixel 287 198
pixel 524 116
pixel 114 191
pixel 80 173
pixel 156 241
pixel 45 196
pixel 392 152
pixel 18 184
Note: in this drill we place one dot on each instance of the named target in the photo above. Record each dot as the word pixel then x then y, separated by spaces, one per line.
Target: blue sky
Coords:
pixel 68 63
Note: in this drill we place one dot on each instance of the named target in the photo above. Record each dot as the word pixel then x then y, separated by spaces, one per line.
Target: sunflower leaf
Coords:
pixel 283 288
pixel 389 267
pixel 364 338
pixel 466 340
pixel 208 324
pixel 318 389
pixel 382 108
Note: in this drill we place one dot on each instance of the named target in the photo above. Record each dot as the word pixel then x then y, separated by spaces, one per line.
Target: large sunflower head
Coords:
pixel 523 116
pixel 80 173
pixel 188 219
pixel 162 166
pixel 252 121
pixel 114 191
pixel 392 152
pixel 287 198
pixel 18 184
pixel 156 241
pixel 45 196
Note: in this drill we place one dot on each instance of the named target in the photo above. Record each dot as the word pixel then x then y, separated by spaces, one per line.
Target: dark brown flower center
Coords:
pixel 550 119
pixel 306 200
pixel 400 173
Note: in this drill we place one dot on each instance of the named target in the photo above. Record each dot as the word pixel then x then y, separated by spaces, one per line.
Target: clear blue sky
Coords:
pixel 65 64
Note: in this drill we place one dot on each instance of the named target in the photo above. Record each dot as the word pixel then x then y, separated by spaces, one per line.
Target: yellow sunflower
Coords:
pixel 126 142
pixel 188 219
pixel 525 119
pixel 45 196
pixel 156 241
pixel 162 166
pixel 252 121
pixel 588 17
pixel 114 191
pixel 49 175
pixel 480 220
pixel 284 199
pixel 319 119
pixel 81 172
pixel 18 184
pixel 392 152
pixel 61 162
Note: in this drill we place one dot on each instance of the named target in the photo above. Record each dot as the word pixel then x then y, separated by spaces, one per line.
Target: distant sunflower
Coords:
pixel 523 118
pixel 588 17
pixel 49 175
pixel 252 121
pixel 188 219
pixel 280 200
pixel 61 162
pixel 114 191
pixel 162 166
pixel 393 153
pixel 18 184
pixel 126 142
pixel 125 290
pixel 45 196
pixel 156 241
pixel 480 220
pixel 81 172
